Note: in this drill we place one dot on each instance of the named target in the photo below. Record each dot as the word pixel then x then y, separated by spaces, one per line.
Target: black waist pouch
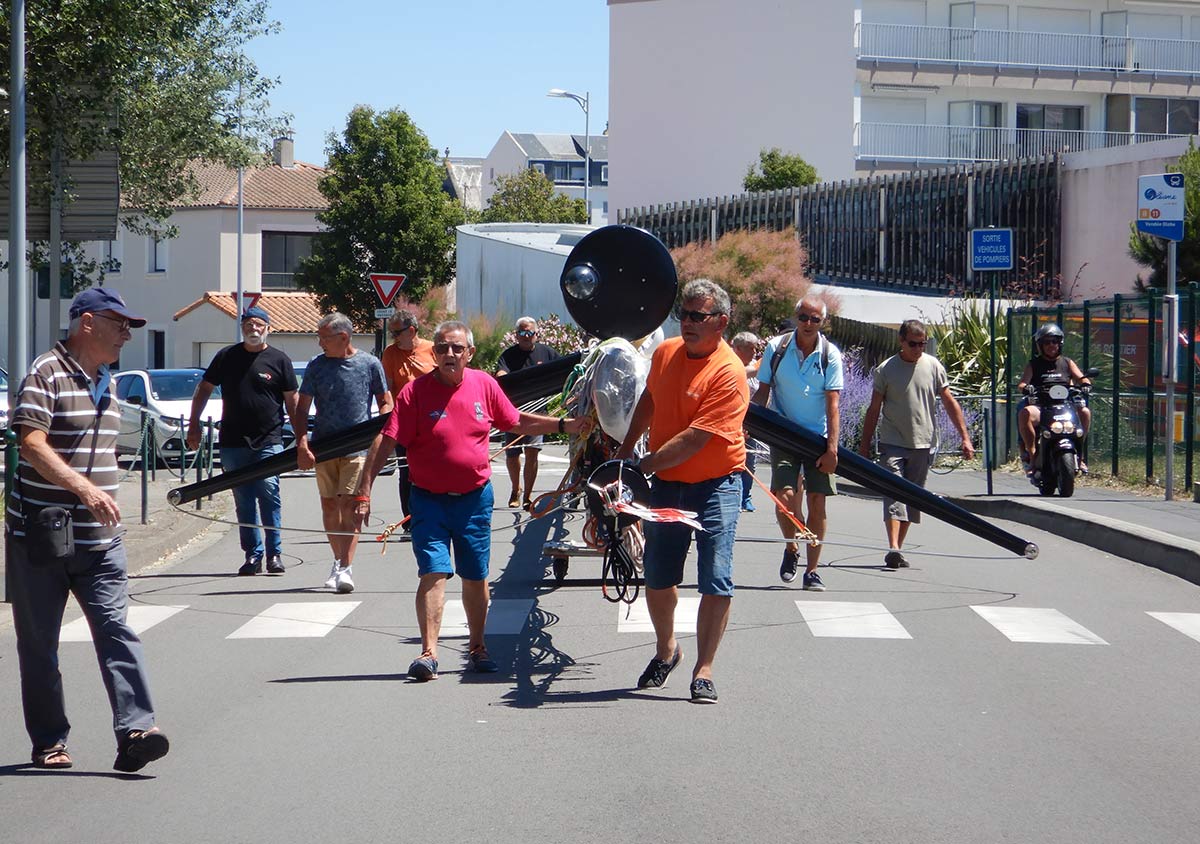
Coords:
pixel 50 533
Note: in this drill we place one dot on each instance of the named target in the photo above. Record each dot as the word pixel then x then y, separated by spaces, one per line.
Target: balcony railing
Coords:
pixel 1008 48
pixel 917 142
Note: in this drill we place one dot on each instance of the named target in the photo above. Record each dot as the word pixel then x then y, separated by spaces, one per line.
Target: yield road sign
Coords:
pixel 251 299
pixel 387 285
pixel 1161 205
pixel 991 249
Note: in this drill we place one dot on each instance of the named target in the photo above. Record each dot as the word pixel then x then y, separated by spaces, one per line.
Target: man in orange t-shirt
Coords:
pixel 694 404
pixel 407 358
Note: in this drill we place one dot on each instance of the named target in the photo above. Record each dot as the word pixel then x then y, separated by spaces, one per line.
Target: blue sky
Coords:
pixel 464 70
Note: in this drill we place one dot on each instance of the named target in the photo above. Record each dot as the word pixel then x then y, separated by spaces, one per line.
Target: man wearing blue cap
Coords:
pixel 257 382
pixel 63 532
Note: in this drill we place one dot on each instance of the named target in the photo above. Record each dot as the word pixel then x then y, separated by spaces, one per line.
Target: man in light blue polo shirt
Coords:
pixel 805 371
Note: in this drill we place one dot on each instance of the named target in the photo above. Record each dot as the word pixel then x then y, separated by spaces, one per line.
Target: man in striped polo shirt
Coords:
pixel 63 532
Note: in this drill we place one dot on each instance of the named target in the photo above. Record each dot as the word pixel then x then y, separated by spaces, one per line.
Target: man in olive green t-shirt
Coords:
pixel 907 387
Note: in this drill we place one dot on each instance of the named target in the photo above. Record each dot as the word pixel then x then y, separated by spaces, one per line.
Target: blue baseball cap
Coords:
pixel 97 299
pixel 256 313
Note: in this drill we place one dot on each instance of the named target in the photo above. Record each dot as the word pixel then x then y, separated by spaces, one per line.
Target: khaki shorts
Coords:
pixel 340 475
pixel 786 469
pixel 912 464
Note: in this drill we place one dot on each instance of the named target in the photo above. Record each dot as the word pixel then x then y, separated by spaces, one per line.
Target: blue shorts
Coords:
pixel 718 503
pixel 464 521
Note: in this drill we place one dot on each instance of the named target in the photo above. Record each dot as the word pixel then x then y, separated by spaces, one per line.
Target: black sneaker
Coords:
pixel 812 582
pixel 895 560
pixel 655 675
pixel 787 569
pixel 423 668
pixel 703 691
pixel 253 565
pixel 274 564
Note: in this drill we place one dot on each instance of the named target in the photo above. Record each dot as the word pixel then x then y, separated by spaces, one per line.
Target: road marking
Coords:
pixel 310 619
pixel 506 617
pixel 851 620
pixel 1033 624
pixel 140 619
pixel 635 617
pixel 1187 623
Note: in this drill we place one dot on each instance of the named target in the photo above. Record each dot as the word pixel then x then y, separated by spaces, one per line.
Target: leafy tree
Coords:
pixel 777 169
pixel 1151 252
pixel 529 197
pixel 387 213
pixel 162 82
pixel 763 271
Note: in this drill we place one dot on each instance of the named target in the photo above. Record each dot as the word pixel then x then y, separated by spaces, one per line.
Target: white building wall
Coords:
pixel 505 158
pixel 698 87
pixel 502 280
pixel 1099 201
pixel 203 257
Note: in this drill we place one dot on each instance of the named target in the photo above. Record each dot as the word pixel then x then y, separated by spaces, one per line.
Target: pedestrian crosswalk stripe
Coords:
pixel 310 619
pixel 851 620
pixel 1187 623
pixel 1034 624
pixel 506 617
pixel 635 617
pixel 140 619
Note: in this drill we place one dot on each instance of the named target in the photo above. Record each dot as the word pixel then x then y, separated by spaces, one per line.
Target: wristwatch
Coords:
pixel 562 425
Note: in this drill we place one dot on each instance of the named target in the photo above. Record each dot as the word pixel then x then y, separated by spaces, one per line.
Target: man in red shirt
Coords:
pixel 443 420
pixel 694 404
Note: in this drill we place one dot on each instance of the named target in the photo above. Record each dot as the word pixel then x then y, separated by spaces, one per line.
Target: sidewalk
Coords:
pixel 1145 529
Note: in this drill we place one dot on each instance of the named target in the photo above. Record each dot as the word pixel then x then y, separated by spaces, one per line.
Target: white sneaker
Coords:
pixel 331 581
pixel 343 582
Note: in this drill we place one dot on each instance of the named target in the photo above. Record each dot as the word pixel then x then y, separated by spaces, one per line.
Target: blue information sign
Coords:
pixel 991 249
pixel 1161 205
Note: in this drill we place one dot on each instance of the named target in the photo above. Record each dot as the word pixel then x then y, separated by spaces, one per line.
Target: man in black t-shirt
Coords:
pixel 257 383
pixel 526 353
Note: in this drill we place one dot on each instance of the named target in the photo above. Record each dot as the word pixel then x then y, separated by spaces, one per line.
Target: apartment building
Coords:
pixel 560 158
pixel 876 85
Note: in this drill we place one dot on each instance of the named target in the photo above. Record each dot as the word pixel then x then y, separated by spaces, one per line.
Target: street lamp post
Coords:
pixel 584 103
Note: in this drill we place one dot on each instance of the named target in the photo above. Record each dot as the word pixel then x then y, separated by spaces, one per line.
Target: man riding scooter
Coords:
pixel 1049 342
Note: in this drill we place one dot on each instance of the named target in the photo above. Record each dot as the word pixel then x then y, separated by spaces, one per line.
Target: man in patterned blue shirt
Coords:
pixel 342 381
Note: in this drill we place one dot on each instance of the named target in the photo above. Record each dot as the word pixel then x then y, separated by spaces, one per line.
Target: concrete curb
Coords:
pixel 1172 554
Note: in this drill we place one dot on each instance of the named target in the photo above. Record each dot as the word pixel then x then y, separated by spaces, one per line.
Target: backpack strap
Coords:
pixel 780 351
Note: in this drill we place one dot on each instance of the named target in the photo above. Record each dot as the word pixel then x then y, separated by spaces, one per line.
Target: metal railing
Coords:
pixel 925 142
pixel 1009 48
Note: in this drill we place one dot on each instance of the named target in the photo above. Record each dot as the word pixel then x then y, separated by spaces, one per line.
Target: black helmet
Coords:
pixel 1049 331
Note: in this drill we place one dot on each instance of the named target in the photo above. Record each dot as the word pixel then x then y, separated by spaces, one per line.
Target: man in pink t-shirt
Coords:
pixel 443 419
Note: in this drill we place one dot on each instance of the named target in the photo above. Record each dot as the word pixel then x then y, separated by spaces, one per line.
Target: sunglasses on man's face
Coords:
pixel 694 316
pixel 449 348
pixel 525 332
pixel 807 318
pixel 915 344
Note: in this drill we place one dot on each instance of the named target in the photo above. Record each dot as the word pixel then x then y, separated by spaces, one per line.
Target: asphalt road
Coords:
pixel 956 733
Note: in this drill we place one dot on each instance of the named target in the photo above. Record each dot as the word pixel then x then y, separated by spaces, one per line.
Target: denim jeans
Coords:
pixel 251 500
pixel 39 595
pixel 717 503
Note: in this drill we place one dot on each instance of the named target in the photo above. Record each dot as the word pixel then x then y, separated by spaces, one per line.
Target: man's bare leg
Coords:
pixel 475 602
pixel 710 627
pixel 431 600
pixel 661 604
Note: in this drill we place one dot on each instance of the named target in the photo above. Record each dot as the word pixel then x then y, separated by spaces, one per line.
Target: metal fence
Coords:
pixel 927 142
pixel 1008 48
pixel 906 231
pixel 1122 337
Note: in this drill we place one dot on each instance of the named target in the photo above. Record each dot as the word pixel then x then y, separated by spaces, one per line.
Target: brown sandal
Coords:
pixel 52 758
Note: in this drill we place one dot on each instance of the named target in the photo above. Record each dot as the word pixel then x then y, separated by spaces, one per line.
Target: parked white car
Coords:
pixel 167 395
